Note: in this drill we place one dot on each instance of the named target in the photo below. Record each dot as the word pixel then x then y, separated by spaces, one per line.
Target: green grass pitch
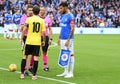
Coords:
pixel 97 61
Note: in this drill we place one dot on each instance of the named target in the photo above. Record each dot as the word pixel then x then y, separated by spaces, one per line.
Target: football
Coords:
pixel 12 67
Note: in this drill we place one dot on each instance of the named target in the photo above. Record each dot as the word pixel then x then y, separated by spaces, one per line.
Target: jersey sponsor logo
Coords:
pixel 64 25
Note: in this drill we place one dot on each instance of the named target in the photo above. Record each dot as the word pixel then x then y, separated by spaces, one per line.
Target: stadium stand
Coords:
pixel 88 13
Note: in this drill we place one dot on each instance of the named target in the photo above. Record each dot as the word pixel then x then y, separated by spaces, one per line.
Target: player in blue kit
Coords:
pixel 67 36
pixel 7 25
pixel 16 23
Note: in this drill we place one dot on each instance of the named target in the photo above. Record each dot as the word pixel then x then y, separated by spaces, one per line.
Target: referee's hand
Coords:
pixel 43 43
pixel 50 42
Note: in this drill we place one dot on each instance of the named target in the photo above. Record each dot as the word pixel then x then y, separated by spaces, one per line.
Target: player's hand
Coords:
pixel 43 43
pixel 67 43
pixel 58 41
pixel 50 42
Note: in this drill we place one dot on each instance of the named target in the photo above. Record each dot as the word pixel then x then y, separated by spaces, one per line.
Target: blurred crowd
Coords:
pixel 88 13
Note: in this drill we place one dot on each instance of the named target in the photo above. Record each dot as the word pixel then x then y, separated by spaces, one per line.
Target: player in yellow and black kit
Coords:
pixel 36 29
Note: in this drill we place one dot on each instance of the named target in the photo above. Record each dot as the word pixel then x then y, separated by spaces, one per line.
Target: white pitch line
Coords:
pixel 52 79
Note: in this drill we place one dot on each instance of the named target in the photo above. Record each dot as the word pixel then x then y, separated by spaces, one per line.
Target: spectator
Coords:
pixel 85 11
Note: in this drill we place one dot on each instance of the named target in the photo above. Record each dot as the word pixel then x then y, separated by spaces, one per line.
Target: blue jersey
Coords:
pixel 65 22
pixel 17 18
pixel 8 18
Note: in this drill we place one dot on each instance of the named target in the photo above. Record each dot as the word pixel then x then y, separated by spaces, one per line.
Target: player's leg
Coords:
pixel 27 51
pixel 35 67
pixel 70 74
pixel 23 64
pixel 44 55
pixel 26 69
pixel 20 29
pixel 5 31
pixel 31 64
pixel 15 31
pixel 10 31
pixel 26 66
pixel 31 61
pixel 35 52
pixel 23 42
pixel 62 44
pixel 64 73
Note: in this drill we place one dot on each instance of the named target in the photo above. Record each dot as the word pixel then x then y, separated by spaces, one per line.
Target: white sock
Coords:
pixel 16 35
pixel 11 34
pixel 71 64
pixel 5 35
pixel 66 70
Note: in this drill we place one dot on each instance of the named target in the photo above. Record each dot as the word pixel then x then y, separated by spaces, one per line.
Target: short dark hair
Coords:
pixel 29 6
pixel 36 10
pixel 64 4
pixel 24 12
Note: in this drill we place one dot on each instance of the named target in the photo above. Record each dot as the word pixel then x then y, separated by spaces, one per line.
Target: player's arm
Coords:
pixel 22 24
pixel 21 27
pixel 25 28
pixel 22 33
pixel 43 29
pixel 5 19
pixel 50 35
pixel 10 19
pixel 72 28
pixel 58 42
pixel 50 32
pixel 71 32
pixel 13 18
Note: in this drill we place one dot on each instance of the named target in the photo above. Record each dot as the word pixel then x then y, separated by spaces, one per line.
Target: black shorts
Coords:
pixel 45 48
pixel 32 50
